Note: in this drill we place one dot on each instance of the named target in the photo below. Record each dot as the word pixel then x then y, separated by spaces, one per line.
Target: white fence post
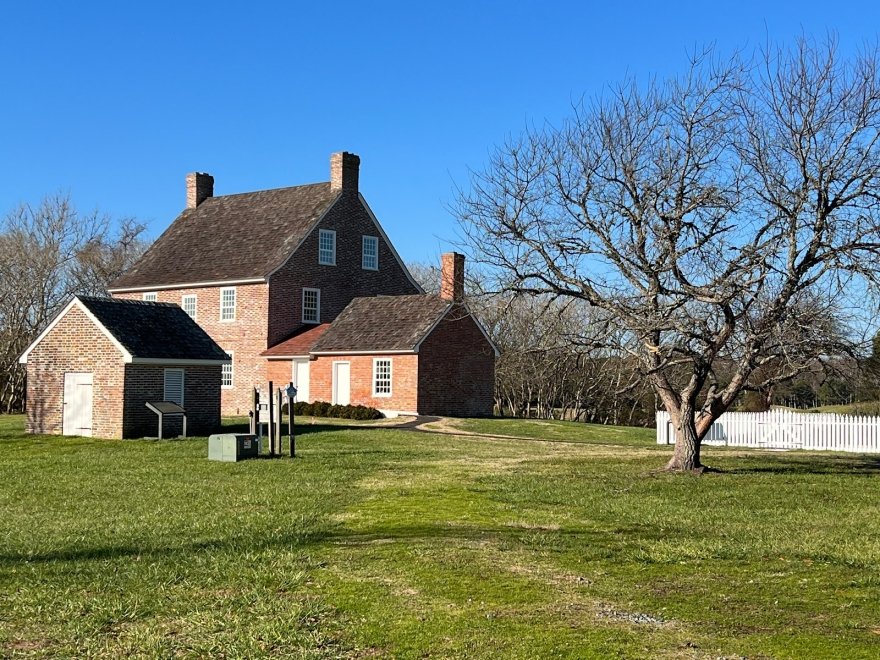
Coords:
pixel 786 429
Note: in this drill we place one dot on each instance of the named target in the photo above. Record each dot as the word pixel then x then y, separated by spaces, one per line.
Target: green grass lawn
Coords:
pixel 379 542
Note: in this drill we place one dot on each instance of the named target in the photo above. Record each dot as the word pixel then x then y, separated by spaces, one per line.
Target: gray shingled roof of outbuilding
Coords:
pixel 231 237
pixel 153 329
pixel 382 323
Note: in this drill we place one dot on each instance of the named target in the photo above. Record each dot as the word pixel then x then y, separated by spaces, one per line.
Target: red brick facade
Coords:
pixel 452 374
pixel 404 381
pixel 338 284
pixel 119 390
pixel 75 344
pixel 459 387
pixel 245 336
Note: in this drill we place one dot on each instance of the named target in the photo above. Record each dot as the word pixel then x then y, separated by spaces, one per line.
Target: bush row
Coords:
pixel 324 409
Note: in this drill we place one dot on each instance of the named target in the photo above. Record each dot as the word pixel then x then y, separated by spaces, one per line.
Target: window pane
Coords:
pixel 370 259
pixel 189 306
pixel 327 247
pixel 382 377
pixel 227 304
pixel 150 297
pixel 311 306
pixel 226 378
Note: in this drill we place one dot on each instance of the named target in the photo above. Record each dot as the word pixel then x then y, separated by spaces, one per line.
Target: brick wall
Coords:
pixel 404 381
pixel 280 372
pixel 245 336
pixel 339 283
pixel 456 369
pixel 75 344
pixel 201 399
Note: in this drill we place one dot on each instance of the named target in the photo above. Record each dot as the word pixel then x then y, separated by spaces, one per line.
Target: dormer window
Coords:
pixel 327 247
pixel 311 306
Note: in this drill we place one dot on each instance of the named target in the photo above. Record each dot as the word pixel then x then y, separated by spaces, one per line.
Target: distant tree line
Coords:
pixel 48 252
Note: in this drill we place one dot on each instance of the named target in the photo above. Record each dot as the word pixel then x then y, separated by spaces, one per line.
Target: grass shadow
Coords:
pixel 814 464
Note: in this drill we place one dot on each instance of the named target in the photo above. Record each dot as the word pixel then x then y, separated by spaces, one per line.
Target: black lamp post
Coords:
pixel 291 395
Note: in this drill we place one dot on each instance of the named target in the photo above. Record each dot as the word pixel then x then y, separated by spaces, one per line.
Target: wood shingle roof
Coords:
pixel 383 323
pixel 231 237
pixel 153 330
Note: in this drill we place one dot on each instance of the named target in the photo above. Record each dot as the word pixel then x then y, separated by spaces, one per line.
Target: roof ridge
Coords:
pixel 266 190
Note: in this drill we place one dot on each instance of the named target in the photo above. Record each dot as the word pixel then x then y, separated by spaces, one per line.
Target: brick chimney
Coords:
pixel 452 276
pixel 199 186
pixel 344 171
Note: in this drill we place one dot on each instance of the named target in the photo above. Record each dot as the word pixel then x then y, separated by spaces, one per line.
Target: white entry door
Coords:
pixel 301 380
pixel 77 417
pixel 341 383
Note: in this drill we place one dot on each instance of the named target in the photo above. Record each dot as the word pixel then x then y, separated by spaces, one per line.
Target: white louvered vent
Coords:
pixel 174 386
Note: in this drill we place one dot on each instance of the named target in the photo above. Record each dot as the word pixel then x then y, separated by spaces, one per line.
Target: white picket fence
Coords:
pixel 784 429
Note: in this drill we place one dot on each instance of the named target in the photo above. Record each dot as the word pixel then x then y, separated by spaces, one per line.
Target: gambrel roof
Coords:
pixel 231 237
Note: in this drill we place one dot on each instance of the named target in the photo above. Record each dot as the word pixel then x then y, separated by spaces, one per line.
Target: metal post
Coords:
pixel 290 425
pixel 271 421
pixel 184 425
pixel 280 396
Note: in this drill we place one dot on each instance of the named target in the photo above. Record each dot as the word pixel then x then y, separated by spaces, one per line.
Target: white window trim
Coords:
pixel 321 232
pixel 182 385
pixel 383 395
pixel 150 296
pixel 231 385
pixel 303 305
pixel 234 303
pixel 364 252
pixel 195 300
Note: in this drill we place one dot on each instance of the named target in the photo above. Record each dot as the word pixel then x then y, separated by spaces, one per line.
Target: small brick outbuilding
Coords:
pixel 94 367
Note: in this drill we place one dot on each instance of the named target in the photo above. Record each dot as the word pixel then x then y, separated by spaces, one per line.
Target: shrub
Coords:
pixel 324 409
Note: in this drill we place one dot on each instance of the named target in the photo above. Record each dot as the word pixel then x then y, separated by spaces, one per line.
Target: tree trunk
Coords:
pixel 686 457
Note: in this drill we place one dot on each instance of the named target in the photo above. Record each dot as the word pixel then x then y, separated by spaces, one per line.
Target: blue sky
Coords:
pixel 114 102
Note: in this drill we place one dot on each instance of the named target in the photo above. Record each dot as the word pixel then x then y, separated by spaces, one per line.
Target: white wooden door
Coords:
pixel 341 383
pixel 301 380
pixel 77 417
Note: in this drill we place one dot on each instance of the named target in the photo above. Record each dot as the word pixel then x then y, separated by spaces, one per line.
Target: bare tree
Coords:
pixel 48 252
pixel 721 220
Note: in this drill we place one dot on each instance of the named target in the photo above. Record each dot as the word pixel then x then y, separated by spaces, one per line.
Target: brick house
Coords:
pixel 266 273
pixel 411 354
pixel 96 364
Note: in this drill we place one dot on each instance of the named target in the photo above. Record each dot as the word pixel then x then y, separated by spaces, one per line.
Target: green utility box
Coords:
pixel 232 447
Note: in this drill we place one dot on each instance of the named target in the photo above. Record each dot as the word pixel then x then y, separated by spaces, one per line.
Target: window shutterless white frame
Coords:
pixel 227 303
pixel 381 377
pixel 150 296
pixel 370 253
pixel 311 305
pixel 174 383
pixel 190 305
pixel 227 374
pixel 327 247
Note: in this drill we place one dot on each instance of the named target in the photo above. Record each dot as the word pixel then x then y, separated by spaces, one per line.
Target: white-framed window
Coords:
pixel 227 303
pixel 326 247
pixel 226 376
pixel 174 386
pixel 150 296
pixel 311 306
pixel 370 253
pixel 381 376
pixel 189 305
